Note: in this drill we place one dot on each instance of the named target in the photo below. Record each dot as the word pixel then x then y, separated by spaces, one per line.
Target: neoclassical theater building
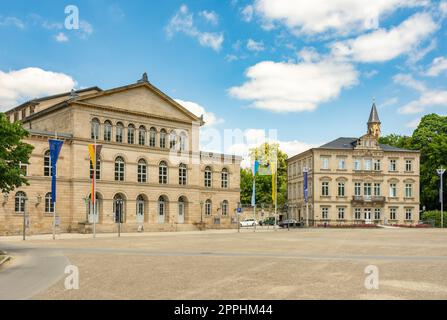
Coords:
pixel 150 168
pixel 356 180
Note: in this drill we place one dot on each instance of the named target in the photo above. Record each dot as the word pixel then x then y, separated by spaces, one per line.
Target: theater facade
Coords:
pixel 150 169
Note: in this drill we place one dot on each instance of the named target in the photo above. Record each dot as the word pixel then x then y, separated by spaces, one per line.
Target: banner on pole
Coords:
pixel 94 151
pixel 55 149
pixel 305 185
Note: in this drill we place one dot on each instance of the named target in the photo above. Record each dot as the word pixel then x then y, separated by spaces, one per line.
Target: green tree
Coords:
pixel 13 152
pixel 430 137
pixel 264 182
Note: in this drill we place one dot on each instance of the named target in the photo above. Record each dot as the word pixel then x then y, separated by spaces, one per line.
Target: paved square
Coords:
pixel 295 264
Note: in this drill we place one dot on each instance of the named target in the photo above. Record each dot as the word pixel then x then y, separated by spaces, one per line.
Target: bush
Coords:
pixel 430 217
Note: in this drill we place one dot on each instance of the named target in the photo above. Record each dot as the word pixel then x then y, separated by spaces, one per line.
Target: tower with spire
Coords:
pixel 374 124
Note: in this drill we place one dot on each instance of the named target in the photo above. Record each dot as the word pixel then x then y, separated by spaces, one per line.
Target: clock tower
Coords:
pixel 374 122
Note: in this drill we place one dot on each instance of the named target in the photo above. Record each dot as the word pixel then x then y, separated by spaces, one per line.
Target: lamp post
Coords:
pixel 441 198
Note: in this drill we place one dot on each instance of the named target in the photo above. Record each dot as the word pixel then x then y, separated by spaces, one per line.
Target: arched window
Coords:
pixel 98 168
pixel 163 173
pixel 119 208
pixel 47 170
pixel 172 140
pixel 49 205
pixel 142 171
pixel 119 132
pixel 107 130
pixel 119 169
pixel 208 177
pixel 142 136
pixel 208 207
pixel 152 137
pixel 224 207
pixel 183 141
pixel 224 178
pixel 131 134
pixel 181 210
pixel 162 138
pixel 94 132
pixel 182 174
pixel 140 208
pixel 20 201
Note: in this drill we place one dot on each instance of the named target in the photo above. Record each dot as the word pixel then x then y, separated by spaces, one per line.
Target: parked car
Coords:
pixel 270 221
pixel 291 223
pixel 248 223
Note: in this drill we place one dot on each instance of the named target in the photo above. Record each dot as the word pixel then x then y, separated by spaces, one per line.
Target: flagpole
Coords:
pixel 276 193
pixel 94 189
pixel 54 200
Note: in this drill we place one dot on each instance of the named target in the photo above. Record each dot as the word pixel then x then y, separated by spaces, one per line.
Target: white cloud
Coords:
pixel 183 22
pixel 29 83
pixel 414 123
pixel 85 29
pixel 247 13
pixel 294 87
pixel 428 98
pixel 210 16
pixel 337 16
pixel 438 66
pixel 383 45
pixel 389 102
pixel 371 73
pixel 252 138
pixel 210 118
pixel 11 21
pixel 253 45
pixel 61 37
pixel 231 58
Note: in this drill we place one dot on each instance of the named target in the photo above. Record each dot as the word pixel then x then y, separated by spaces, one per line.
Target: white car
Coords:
pixel 248 223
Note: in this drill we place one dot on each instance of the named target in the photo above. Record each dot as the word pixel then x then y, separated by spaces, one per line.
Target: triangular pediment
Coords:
pixel 141 98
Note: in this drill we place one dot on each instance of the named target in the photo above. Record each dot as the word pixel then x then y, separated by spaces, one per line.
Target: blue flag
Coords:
pixel 253 195
pixel 55 149
pixel 305 184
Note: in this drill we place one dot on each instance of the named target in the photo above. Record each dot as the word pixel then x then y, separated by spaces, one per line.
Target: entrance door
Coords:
pixel 161 210
pixel 367 215
pixel 93 215
pixel 140 211
pixel 181 211
pixel 119 210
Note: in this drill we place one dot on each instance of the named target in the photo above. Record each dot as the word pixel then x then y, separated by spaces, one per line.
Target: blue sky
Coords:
pixel 309 72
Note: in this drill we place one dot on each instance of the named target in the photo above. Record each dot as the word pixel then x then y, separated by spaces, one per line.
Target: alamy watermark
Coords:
pixel 372 278
pixel 72 280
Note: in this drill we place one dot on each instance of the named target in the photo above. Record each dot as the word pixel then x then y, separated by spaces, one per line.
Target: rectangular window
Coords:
pixel 408 214
pixel 393 213
pixel 341 213
pixel 377 213
pixel 342 164
pixel 393 166
pixel 408 165
pixel 23 169
pixel 367 190
pixel 393 190
pixel 367 213
pixel 377 190
pixel 324 212
pixel 325 163
pixel 368 164
pixel 408 190
pixel 357 213
pixel 325 188
pixel 376 165
pixel 358 189
pixel 357 164
pixel 341 189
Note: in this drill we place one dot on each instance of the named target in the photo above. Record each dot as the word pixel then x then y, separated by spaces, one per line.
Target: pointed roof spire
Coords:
pixel 374 115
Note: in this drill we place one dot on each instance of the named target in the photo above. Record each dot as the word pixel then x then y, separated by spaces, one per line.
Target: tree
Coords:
pixel 430 138
pixel 13 152
pixel 264 182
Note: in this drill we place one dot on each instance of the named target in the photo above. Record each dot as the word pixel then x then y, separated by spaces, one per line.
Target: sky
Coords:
pixel 310 72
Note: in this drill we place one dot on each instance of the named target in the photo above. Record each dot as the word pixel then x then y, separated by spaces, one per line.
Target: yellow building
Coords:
pixel 356 180
pixel 150 168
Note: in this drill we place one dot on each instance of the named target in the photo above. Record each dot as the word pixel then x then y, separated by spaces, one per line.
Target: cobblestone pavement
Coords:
pixel 267 264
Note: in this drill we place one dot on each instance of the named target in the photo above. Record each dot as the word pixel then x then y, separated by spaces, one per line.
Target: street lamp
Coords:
pixel 441 198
